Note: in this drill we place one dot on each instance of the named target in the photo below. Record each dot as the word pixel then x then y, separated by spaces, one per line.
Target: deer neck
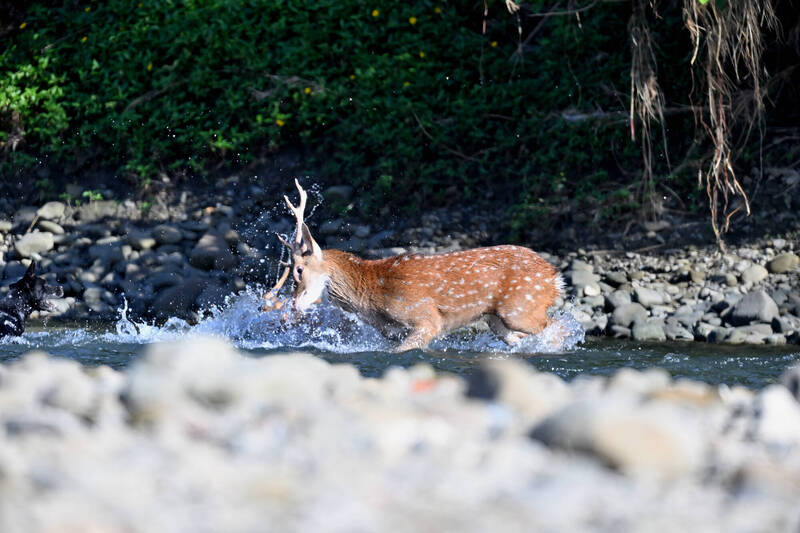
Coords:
pixel 350 280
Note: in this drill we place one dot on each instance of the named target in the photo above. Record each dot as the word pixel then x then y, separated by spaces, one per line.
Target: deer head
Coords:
pixel 308 266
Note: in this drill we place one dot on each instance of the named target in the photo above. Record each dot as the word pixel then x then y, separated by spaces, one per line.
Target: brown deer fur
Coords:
pixel 417 297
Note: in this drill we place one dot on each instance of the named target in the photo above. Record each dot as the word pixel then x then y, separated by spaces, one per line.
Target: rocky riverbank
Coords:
pixel 182 256
pixel 198 437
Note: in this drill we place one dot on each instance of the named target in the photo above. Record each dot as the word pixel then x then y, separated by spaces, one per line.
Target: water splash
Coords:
pixel 326 328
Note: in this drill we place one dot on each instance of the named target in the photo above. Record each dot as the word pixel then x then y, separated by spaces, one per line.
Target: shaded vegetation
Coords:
pixel 413 103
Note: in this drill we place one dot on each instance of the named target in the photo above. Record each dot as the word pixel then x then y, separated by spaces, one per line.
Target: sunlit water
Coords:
pixel 340 337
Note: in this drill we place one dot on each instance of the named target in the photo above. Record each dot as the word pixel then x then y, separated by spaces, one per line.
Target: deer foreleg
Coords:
pixel 420 336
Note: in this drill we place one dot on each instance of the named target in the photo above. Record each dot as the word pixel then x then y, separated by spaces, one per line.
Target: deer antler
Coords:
pixel 283 241
pixel 298 211
pixel 271 298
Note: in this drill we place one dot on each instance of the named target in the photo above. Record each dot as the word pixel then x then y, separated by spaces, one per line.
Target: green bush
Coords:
pixel 408 101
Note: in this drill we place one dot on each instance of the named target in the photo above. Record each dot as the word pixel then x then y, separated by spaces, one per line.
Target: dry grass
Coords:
pixel 727 70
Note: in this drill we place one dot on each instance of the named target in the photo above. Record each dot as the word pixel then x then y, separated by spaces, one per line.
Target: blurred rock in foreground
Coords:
pixel 198 437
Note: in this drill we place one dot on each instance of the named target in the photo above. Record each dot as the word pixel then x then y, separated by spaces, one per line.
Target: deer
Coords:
pixel 414 298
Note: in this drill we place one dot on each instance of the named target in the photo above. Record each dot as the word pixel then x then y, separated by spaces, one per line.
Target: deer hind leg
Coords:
pixel 508 336
pixel 525 318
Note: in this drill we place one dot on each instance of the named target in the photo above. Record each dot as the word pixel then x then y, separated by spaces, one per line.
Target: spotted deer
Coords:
pixel 414 298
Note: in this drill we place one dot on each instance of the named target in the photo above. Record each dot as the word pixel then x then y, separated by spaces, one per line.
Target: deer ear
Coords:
pixel 309 245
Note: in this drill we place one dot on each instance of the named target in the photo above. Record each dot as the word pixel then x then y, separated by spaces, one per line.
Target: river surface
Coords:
pixel 341 338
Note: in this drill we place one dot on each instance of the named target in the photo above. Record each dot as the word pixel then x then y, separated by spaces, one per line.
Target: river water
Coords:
pixel 338 337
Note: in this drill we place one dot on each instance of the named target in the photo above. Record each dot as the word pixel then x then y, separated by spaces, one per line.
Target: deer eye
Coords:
pixel 299 272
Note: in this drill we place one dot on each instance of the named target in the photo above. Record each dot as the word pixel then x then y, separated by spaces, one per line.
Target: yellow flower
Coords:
pixel 139 4
pixel 280 123
pixel 87 9
pixel 421 53
pixel 406 84
pixel 375 12
pixel 83 39
pixel 437 10
pixel 149 67
pixel 412 20
pixel 307 90
pixel 494 44
pixel 352 76
pixel 22 26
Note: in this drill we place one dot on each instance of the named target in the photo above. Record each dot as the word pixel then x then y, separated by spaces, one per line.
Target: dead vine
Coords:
pixel 727 46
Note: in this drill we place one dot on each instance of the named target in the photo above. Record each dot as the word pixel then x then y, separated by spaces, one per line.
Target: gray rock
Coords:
pixel 754 274
pixel 97 211
pixel 5 226
pixel 583 266
pixel 52 227
pixel 697 276
pixel 361 231
pixel 785 324
pixel 777 416
pixel 648 297
pixel 160 280
pixel 581 279
pixel 24 217
pixel 212 253
pixel 703 330
pixel 165 234
pixel 675 331
pixel 338 194
pixel 624 437
pixel 331 227
pixel 627 314
pixel 516 384
pixel 720 335
pixel 212 296
pixel 109 253
pixel 620 332
pixel 616 278
pixel 754 307
pixel 617 299
pixel 783 263
pixel 52 211
pixel 37 242
pixel 791 380
pixel 140 240
pixel 178 300
pixel 649 330
pixel 776 339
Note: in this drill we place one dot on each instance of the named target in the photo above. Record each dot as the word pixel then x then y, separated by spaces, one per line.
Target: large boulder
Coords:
pixel 754 307
pixel 97 211
pixel 754 274
pixel 627 314
pixel 647 330
pixel 51 210
pixel 37 242
pixel 648 297
pixel 783 263
pixel 212 253
pixel 650 440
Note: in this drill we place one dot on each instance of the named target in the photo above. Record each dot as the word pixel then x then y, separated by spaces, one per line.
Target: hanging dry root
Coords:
pixel 727 44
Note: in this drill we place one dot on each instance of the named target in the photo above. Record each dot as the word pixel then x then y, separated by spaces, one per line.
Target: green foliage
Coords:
pixel 409 102
pixel 92 196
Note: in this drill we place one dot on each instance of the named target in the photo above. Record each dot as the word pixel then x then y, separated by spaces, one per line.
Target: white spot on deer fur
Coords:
pixel 527 278
pixel 538 274
pixel 538 287
pixel 528 297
